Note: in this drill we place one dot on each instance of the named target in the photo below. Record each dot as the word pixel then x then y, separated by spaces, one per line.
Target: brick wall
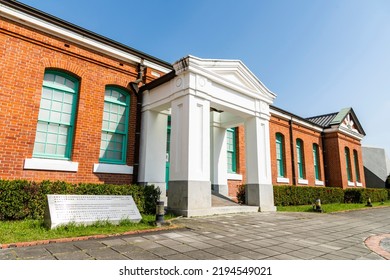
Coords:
pixel 335 160
pixel 308 137
pixel 25 55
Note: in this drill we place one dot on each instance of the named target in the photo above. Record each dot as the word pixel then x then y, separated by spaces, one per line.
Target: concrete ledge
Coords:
pixel 215 211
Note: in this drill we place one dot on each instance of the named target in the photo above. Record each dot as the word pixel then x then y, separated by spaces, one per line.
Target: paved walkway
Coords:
pixel 237 236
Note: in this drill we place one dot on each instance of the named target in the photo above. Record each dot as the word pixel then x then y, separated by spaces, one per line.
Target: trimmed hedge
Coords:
pixel 293 195
pixel 362 195
pixel 20 199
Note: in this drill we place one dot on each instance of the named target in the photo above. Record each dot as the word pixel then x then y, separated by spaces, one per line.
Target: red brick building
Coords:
pixel 71 110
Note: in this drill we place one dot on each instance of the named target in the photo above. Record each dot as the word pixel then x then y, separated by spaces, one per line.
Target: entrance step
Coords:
pixel 224 205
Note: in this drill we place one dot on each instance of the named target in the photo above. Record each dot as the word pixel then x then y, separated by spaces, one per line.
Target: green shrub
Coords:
pixel 362 195
pixel 241 194
pixel 20 199
pixel 295 195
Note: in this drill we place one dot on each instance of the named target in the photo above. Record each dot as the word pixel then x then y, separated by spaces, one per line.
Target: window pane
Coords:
pixel 55 119
pixel 114 127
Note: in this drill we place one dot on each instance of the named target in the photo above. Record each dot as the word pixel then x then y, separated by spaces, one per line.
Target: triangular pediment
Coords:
pixel 231 72
pixel 347 120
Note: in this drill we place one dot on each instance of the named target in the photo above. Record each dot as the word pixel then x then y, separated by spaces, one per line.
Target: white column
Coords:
pixel 189 184
pixel 218 156
pixel 259 191
pixel 153 150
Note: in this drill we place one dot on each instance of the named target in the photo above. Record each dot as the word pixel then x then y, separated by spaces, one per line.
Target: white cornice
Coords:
pixel 72 36
pixel 345 131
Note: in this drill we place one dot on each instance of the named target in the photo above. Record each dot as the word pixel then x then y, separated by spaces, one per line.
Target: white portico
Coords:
pixel 204 98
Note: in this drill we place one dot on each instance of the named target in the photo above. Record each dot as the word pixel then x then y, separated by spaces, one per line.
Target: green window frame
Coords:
pixel 356 161
pixel 231 150
pixel 114 136
pixel 348 164
pixel 280 154
pixel 300 159
pixel 316 159
pixel 55 127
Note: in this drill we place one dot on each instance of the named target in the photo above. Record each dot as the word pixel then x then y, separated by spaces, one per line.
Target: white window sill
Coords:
pixel 112 168
pixel 303 182
pixel 234 176
pixel 50 164
pixel 283 180
pixel 358 184
pixel 319 183
pixel 351 184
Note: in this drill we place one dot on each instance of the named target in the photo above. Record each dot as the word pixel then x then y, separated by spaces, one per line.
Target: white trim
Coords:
pixel 50 164
pixel 358 184
pixel 283 180
pixel 303 181
pixel 234 176
pixel 64 33
pixel 351 184
pixel 295 120
pixel 112 168
pixel 319 183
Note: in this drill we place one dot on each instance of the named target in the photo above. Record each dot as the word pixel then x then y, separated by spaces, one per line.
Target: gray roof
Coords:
pixel 323 120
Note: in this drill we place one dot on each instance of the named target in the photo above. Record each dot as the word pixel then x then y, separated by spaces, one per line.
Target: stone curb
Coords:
pixel 373 243
pixel 83 238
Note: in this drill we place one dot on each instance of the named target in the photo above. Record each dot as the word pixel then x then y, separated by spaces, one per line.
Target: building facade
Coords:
pixel 79 107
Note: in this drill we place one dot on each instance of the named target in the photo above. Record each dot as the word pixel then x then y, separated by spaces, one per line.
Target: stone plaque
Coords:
pixel 88 209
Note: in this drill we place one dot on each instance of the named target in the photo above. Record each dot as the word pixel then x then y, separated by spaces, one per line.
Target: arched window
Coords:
pixel 316 159
pixel 231 150
pixel 115 125
pixel 356 161
pixel 348 164
pixel 280 155
pixel 55 128
pixel 300 159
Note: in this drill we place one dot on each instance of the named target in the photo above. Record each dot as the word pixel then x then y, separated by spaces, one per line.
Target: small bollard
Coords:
pixel 317 207
pixel 369 204
pixel 160 213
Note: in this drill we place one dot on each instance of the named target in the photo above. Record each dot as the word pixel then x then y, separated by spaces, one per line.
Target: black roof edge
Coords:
pixel 159 81
pixel 87 33
pixel 293 115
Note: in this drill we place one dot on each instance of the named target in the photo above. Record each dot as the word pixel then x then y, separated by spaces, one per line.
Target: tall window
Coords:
pixel 115 123
pixel 356 161
pixel 54 135
pixel 348 164
pixel 231 150
pixel 316 159
pixel 300 159
pixel 280 154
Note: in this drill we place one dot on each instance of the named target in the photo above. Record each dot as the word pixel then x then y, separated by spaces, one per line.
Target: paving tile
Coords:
pixel 33 252
pixel 89 244
pixel 142 255
pixel 162 251
pixel 178 257
pixel 76 255
pixel 201 255
pixel 183 248
pixel 253 255
pixel 106 254
pixel 8 254
pixel 61 248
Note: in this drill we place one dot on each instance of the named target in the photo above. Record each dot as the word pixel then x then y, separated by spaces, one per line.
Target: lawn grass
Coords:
pixel 329 208
pixel 33 230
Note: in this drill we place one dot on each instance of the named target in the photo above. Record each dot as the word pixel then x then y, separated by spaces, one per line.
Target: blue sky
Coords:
pixel 318 56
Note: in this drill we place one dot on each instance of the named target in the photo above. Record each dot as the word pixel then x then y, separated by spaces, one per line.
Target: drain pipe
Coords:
pixel 134 87
pixel 292 147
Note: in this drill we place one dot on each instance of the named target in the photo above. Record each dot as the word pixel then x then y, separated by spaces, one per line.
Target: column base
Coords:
pixel 261 195
pixel 220 189
pixel 189 198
